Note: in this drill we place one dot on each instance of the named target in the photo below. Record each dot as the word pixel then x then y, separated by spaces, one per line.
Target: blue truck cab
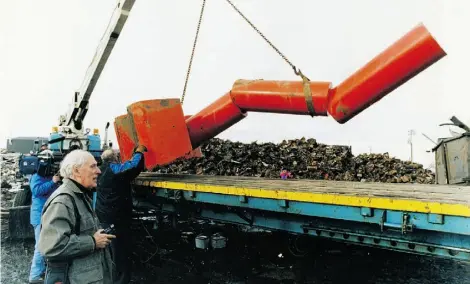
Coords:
pixel 60 144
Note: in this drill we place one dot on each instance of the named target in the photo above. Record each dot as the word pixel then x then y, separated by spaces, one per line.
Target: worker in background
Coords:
pixel 42 183
pixel 75 247
pixel 43 147
pixel 114 205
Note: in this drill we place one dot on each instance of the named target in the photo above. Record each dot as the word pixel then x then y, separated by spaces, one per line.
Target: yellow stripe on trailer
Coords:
pixel 409 205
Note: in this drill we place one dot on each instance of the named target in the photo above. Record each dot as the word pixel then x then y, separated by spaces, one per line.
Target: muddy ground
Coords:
pixel 168 256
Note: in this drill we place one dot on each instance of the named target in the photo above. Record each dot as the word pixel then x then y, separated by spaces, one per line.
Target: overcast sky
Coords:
pixel 46 47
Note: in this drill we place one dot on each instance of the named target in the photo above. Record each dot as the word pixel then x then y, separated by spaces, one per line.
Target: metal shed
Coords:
pixel 453 160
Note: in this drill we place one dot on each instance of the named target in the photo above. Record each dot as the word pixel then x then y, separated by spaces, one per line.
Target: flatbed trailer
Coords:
pixel 414 218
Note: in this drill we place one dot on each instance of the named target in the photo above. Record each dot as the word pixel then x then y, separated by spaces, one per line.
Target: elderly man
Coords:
pixel 114 205
pixel 75 248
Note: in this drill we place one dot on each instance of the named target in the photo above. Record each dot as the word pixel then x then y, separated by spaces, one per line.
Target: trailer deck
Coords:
pixel 417 218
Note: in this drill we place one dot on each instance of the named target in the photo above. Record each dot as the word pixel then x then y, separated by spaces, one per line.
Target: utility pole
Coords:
pixel 410 141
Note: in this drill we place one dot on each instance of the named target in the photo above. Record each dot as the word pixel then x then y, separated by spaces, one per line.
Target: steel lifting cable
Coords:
pixel 192 52
pixel 306 81
pixel 296 71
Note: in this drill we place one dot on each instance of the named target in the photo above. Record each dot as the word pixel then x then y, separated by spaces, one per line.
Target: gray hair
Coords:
pixel 109 155
pixel 74 159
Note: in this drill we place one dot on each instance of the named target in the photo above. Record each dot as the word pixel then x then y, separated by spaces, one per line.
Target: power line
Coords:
pixel 429 139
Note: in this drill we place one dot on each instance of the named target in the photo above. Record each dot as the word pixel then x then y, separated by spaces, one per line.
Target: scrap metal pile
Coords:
pixel 9 183
pixel 303 158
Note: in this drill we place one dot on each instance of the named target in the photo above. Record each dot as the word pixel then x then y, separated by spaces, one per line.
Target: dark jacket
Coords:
pixel 114 197
pixel 41 189
pixel 58 241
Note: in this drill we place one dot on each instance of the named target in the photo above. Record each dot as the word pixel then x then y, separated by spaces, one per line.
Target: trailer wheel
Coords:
pixel 22 197
pixel 298 245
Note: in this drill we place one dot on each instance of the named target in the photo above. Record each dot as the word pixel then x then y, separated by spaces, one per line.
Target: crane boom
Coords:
pixel 74 119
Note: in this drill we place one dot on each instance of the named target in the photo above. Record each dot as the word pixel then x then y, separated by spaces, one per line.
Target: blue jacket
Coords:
pixel 114 191
pixel 127 170
pixel 41 189
pixel 133 163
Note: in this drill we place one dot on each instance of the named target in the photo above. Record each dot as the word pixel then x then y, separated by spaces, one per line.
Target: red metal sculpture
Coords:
pixel 161 125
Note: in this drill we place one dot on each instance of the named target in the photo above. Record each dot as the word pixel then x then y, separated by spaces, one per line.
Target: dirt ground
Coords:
pixel 167 257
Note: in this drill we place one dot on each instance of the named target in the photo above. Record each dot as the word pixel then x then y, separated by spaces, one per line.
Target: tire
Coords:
pixel 299 245
pixel 22 197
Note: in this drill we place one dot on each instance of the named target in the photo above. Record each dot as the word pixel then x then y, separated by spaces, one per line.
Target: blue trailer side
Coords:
pixel 420 219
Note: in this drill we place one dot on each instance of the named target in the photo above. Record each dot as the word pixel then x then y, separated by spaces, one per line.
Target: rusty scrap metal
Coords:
pixel 304 158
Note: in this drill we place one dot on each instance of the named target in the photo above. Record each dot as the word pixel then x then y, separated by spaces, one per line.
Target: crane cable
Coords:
pixel 297 71
pixel 194 48
pixel 305 80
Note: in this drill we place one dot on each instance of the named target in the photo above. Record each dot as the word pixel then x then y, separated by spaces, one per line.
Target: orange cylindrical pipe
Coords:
pixel 213 119
pixel 280 96
pixel 408 56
